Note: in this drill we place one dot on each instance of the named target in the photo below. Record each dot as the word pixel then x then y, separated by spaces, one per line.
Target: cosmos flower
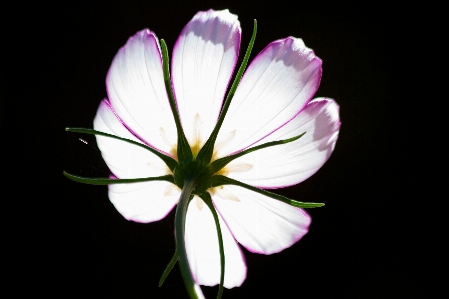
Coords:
pixel 273 102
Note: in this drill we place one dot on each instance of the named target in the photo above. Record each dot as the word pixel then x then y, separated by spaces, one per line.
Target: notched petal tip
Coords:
pixel 293 52
pixel 299 55
pixel 330 114
pixel 211 25
pixel 224 15
pixel 143 36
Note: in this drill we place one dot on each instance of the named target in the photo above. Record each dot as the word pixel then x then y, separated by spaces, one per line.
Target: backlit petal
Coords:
pixel 203 251
pixel 144 202
pixel 204 58
pixel 261 224
pixel 277 85
pixel 136 90
pixel 126 161
pixel 291 163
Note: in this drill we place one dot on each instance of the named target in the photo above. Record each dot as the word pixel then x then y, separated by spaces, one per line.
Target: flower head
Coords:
pixel 273 102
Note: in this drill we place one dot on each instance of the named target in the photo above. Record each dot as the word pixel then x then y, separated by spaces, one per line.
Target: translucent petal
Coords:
pixel 291 163
pixel 204 58
pixel 136 90
pixel 198 291
pixel 144 202
pixel 278 83
pixel 126 161
pixel 261 224
pixel 203 252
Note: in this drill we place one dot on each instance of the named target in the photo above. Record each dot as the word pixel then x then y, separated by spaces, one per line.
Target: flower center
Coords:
pixel 196 146
pixel 198 171
pixel 193 170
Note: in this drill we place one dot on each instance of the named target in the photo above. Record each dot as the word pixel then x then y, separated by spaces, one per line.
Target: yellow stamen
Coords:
pixel 223 193
pixel 170 190
pixel 199 203
pixel 222 143
pixel 234 167
pixel 173 147
pixel 196 138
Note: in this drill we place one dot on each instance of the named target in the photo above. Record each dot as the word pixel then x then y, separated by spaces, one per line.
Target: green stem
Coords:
pixel 180 221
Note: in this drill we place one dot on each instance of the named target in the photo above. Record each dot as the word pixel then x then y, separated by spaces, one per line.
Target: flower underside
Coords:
pixel 273 136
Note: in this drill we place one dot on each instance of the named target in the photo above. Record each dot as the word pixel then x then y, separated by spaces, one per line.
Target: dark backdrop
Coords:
pixel 362 244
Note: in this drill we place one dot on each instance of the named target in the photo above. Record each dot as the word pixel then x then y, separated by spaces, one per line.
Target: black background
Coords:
pixel 367 242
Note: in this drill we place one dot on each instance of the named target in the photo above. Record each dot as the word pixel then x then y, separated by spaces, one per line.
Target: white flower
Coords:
pixel 272 102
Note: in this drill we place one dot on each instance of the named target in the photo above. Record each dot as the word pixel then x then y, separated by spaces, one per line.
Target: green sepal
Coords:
pixel 205 154
pixel 184 150
pixel 105 181
pixel 208 201
pixel 170 266
pixel 222 162
pixel 219 180
pixel 169 161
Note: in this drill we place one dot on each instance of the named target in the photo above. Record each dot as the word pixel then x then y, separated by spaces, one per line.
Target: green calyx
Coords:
pixel 193 170
pixel 204 174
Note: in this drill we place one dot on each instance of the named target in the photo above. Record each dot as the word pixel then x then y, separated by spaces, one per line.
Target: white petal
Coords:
pixel 136 90
pixel 203 251
pixel 277 85
pixel 291 163
pixel 204 58
pixel 144 202
pixel 198 291
pixel 261 224
pixel 123 159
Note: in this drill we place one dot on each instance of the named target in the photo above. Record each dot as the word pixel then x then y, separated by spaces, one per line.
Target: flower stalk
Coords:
pixel 180 221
